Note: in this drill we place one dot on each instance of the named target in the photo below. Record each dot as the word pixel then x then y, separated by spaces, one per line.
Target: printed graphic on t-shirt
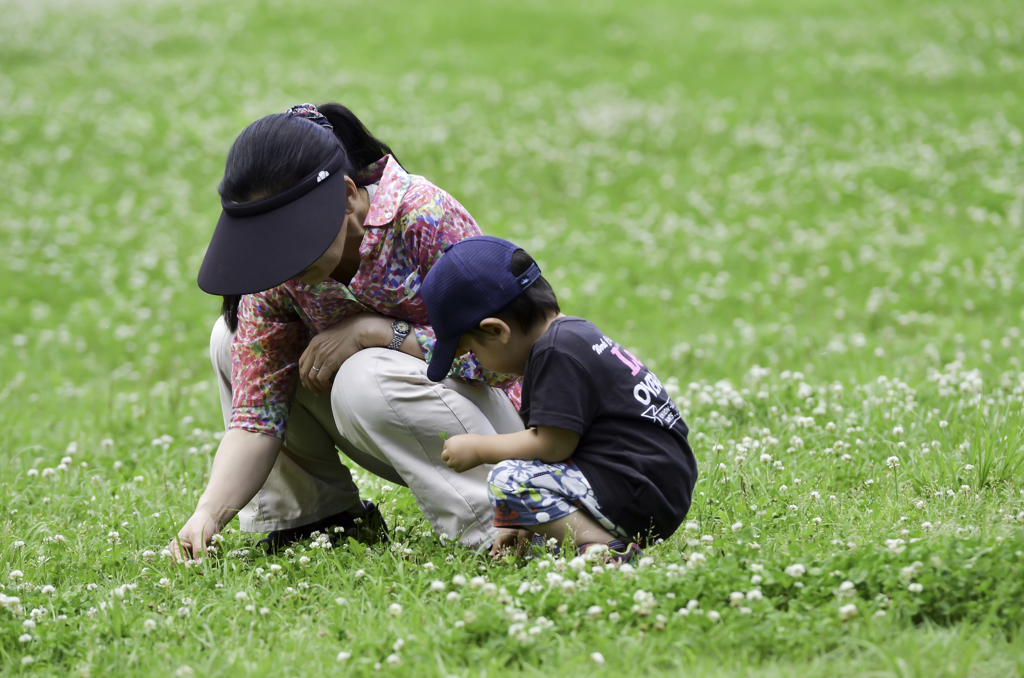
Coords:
pixel 647 390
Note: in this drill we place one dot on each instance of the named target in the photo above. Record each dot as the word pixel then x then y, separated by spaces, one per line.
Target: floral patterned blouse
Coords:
pixel 408 226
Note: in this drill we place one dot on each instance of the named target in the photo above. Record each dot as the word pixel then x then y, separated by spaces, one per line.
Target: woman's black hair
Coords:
pixel 277 151
pixel 533 306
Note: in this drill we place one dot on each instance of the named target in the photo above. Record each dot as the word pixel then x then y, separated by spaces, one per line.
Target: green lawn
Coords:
pixel 806 216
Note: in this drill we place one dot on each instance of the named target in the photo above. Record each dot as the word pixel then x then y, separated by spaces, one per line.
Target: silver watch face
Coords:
pixel 402 326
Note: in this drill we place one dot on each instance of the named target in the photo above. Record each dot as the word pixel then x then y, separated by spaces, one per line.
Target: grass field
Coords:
pixel 807 217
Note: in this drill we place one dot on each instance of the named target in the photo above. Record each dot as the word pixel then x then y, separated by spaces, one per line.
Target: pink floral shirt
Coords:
pixel 408 226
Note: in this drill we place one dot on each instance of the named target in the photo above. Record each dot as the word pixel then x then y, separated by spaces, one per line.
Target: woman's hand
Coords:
pixel 511 540
pixel 461 453
pixel 194 537
pixel 328 350
pixel 240 467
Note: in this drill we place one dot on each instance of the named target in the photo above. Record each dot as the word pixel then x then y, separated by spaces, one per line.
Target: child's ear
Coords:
pixel 496 328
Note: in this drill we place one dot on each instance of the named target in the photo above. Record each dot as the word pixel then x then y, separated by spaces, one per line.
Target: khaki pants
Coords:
pixel 385 415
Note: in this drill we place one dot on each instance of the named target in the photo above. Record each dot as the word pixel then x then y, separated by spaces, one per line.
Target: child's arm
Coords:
pixel 545 443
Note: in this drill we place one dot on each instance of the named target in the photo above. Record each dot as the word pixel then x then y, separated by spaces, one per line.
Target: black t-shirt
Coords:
pixel 633 446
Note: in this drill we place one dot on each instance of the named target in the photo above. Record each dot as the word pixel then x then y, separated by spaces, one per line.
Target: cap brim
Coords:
pixel 255 253
pixel 441 358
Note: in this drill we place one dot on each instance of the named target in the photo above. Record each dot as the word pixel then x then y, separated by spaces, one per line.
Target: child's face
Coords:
pixel 498 348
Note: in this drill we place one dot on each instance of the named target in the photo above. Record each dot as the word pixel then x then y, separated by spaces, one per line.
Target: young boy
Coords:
pixel 602 434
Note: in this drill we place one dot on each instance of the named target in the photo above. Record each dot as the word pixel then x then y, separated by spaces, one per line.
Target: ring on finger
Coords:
pixel 315 368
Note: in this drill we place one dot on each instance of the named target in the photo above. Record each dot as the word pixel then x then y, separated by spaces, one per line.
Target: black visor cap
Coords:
pixel 260 244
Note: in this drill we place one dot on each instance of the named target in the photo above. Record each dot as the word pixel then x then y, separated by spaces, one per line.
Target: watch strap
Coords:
pixel 401 330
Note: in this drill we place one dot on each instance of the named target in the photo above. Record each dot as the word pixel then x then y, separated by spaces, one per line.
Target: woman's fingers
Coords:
pixel 310 367
pixel 322 378
pixel 180 549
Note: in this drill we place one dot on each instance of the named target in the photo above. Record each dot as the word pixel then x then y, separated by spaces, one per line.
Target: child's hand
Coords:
pixel 460 452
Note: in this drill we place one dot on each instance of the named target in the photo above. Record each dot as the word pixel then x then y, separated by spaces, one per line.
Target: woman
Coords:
pixel 320 252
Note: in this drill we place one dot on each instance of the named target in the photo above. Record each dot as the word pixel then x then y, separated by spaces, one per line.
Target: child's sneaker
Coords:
pixel 612 552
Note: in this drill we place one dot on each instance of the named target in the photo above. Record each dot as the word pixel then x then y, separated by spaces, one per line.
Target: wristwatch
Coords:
pixel 401 330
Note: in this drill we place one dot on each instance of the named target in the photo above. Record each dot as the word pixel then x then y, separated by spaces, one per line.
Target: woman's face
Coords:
pixel 352 225
pixel 321 269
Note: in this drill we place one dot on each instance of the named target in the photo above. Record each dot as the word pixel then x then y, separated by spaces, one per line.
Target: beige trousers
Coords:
pixel 385 415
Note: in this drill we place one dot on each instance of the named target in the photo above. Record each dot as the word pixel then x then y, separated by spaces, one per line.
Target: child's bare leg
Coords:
pixel 579 525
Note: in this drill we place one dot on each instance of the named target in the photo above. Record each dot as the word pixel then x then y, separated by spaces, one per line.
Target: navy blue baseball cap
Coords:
pixel 471 281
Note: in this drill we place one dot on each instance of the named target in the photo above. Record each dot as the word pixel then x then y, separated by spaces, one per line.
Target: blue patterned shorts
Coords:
pixel 525 493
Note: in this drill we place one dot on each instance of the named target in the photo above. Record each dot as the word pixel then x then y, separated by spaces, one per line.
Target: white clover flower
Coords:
pixel 926 525
pixel 184 612
pixel 597 658
pixel 303 560
pixel 27 659
pixel 359 574
pixel 241 595
pixel 452 596
pixel 28 624
pixel 737 526
pixel 692 526
pixel 707 539
pixel 594 611
pixel 755 595
pixel 437 585
pixel 756 579
pixel 847 612
pixel 16 575
pixel 796 570
pixel 394 609
pixel 48 590
pixel 736 598
pixel 915 588
pixel 149 625
pixel 343 656
pixel 250 608
pixel 766 458
pixel 459 580
pixel 847 586
pixel 25 638
pixel 398 645
pixel 394 659
pixel 893 462
pixel 477 582
pixel 264 611
pixel 713 616
pixel 943 423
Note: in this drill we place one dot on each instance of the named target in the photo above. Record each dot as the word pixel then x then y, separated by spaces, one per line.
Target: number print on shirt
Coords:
pixel 664 414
